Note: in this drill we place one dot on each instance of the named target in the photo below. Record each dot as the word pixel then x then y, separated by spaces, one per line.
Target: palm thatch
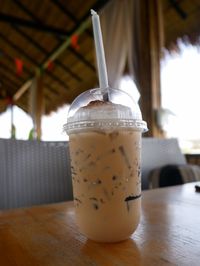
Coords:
pixel 33 31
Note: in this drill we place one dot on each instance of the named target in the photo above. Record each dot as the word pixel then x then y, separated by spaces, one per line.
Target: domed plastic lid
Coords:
pixel 104 108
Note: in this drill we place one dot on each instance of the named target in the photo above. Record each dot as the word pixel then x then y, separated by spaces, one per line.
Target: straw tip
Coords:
pixel 93 12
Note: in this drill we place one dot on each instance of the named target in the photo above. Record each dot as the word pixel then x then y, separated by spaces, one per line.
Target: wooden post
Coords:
pixel 37 104
pixel 150 42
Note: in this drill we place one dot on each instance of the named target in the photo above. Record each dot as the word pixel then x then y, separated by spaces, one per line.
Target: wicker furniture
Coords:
pixel 33 172
pixel 163 164
pixel 36 172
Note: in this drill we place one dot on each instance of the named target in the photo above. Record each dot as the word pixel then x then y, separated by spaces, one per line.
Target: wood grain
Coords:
pixel 168 234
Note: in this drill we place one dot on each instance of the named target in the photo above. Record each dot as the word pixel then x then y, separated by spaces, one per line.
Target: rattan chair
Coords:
pixel 163 164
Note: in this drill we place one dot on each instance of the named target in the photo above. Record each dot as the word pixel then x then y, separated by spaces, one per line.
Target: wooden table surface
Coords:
pixel 168 234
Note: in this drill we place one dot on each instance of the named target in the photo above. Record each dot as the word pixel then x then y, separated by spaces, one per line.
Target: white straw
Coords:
pixel 101 63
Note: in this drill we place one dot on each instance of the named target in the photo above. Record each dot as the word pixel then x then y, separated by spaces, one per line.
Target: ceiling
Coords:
pixel 181 20
pixel 32 31
pixel 35 32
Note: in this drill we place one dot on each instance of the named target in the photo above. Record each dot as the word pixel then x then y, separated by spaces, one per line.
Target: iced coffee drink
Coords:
pixel 105 148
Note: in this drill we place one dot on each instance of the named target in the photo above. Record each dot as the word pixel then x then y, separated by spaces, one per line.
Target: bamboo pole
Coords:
pixel 22 89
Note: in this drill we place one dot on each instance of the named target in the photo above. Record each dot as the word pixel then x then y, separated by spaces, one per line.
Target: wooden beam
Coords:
pixel 21 91
pixel 27 11
pixel 69 14
pixel 78 29
pixel 43 50
pixel 37 103
pixel 82 58
pixel 64 10
pixel 5 84
pixel 33 61
pixel 82 26
pixel 178 9
pixel 40 105
pixel 6 76
pixel 33 25
pixel 60 50
pixel 10 59
pixel 149 41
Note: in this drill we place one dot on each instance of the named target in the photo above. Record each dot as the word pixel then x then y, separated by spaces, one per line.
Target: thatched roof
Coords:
pixel 32 32
pixel 181 21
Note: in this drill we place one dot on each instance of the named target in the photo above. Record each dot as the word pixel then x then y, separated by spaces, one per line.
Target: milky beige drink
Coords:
pixel 105 162
pixel 106 182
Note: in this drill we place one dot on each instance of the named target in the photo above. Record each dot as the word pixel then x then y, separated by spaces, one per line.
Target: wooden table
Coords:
pixel 169 234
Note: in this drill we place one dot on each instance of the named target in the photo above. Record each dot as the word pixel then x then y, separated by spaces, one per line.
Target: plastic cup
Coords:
pixel 105 151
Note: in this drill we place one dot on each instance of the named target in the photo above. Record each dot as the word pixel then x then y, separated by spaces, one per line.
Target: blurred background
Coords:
pixel 47 58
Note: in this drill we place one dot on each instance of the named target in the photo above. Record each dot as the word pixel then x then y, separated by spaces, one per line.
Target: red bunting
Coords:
pixel 74 42
pixel 50 65
pixel 19 66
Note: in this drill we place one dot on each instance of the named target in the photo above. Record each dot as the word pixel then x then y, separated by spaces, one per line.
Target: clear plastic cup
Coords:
pixel 105 151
